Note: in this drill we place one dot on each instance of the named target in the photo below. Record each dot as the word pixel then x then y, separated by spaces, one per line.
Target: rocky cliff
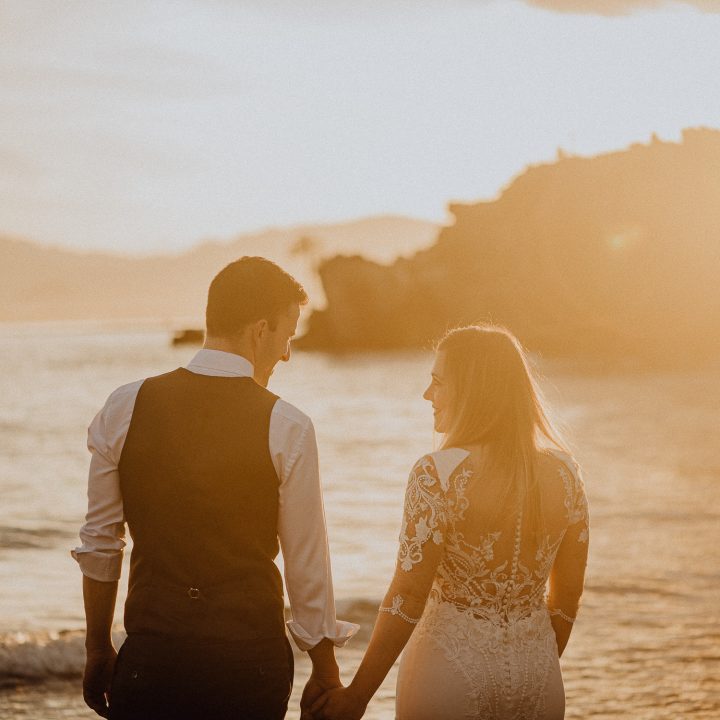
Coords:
pixel 611 255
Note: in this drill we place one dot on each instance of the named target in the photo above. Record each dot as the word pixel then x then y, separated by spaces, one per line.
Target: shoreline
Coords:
pixel 61 699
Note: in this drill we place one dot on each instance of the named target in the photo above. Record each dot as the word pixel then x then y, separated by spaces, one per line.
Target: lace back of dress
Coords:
pixel 495 562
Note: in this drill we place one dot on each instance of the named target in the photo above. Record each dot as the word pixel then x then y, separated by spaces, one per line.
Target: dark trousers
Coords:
pixel 159 678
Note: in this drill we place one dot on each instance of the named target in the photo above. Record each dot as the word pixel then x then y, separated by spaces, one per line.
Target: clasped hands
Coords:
pixel 324 699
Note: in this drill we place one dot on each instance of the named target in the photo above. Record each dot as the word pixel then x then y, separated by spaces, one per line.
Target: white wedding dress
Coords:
pixel 484 646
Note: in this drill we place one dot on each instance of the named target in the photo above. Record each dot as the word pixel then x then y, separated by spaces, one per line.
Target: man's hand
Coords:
pixel 101 656
pixel 99 667
pixel 314 689
pixel 339 704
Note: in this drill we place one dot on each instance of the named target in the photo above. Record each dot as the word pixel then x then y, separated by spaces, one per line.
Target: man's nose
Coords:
pixel 427 395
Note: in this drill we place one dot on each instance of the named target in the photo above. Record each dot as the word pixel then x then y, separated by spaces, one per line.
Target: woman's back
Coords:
pixel 494 560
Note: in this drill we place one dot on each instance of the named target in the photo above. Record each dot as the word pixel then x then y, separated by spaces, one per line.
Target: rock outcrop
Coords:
pixel 612 255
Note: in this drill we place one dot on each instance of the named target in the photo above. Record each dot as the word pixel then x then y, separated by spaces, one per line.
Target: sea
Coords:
pixel 646 644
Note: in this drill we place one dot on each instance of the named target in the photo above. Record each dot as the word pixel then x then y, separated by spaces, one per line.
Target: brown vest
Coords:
pixel 200 496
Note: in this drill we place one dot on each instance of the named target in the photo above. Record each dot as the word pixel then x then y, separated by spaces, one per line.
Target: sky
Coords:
pixel 144 126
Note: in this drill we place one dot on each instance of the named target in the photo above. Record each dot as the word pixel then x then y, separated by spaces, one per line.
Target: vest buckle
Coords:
pixel 193 593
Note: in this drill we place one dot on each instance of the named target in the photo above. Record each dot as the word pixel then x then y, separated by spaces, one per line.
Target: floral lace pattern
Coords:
pixel 575 501
pixel 505 667
pixel 425 512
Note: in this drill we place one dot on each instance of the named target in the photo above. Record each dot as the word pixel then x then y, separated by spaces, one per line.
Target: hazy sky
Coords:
pixel 143 125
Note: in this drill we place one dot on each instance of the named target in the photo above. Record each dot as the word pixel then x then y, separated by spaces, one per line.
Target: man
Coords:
pixel 212 473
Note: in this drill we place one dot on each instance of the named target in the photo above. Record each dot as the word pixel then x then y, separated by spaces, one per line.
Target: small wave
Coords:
pixel 12 427
pixel 633 589
pixel 44 656
pixel 360 611
pixel 17 538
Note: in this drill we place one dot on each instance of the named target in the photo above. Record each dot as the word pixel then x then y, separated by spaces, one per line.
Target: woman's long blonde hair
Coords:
pixel 496 403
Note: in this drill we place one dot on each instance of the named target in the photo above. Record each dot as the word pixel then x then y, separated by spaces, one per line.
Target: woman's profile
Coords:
pixel 492 555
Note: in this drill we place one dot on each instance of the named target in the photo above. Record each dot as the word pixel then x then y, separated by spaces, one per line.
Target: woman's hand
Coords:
pixel 339 704
pixel 316 687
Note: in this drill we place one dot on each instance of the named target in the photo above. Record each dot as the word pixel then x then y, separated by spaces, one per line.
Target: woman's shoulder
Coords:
pixel 560 461
pixel 563 473
pixel 441 464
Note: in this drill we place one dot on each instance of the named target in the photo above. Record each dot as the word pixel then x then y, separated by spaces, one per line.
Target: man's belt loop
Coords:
pixel 193 593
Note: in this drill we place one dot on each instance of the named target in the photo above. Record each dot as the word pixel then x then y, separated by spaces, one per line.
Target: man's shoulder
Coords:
pixel 290 415
pixel 115 414
pixel 129 391
pixel 122 399
pixel 124 392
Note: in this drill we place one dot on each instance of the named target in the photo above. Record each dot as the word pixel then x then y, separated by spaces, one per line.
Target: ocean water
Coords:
pixel 647 643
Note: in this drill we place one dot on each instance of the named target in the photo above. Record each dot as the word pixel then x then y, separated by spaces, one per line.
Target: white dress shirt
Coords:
pixel 301 518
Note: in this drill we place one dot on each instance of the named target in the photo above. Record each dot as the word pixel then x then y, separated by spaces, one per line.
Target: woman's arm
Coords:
pixel 400 612
pixel 568 572
pixel 422 540
pixel 566 586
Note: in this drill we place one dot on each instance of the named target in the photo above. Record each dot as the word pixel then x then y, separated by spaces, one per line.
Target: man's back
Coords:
pixel 200 497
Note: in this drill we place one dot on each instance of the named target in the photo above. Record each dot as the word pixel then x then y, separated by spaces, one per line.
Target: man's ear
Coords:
pixel 259 329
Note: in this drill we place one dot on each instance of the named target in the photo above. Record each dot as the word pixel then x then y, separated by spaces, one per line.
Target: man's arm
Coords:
pixel 99 598
pixel 102 536
pixel 325 675
pixel 303 538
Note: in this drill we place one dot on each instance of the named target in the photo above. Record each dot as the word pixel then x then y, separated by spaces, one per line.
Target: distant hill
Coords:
pixel 48 283
pixel 613 255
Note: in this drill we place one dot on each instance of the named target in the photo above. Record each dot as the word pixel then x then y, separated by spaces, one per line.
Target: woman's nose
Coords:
pixel 428 393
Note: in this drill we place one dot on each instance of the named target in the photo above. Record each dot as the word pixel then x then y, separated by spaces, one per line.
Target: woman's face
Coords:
pixel 438 393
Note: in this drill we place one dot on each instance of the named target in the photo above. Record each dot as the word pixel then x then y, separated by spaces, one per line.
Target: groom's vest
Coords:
pixel 200 496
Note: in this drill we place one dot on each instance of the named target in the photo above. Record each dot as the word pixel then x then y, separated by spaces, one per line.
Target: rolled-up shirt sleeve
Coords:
pixel 102 536
pixel 302 532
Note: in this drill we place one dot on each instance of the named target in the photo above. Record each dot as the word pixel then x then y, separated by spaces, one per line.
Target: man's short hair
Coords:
pixel 248 290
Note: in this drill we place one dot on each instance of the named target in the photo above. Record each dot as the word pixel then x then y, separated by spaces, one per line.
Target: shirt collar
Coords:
pixel 218 362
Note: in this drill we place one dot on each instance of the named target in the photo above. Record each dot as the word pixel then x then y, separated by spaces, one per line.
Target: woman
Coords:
pixel 489 519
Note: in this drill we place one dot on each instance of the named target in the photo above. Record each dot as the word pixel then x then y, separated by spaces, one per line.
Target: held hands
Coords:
pixel 99 667
pixel 314 689
pixel 338 704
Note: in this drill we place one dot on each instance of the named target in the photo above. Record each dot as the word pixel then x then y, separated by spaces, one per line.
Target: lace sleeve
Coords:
pixel 422 536
pixel 568 572
pixel 576 504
